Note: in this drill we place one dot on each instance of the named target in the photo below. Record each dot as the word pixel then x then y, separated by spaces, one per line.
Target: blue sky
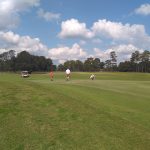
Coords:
pixel 75 29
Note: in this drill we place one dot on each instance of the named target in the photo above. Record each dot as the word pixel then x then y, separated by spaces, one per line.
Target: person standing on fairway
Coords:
pixel 51 74
pixel 92 77
pixel 68 74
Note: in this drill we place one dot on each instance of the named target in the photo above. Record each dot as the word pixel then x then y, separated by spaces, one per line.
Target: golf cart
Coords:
pixel 25 74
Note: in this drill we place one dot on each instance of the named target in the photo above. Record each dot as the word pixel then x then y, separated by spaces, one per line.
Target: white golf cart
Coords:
pixel 25 74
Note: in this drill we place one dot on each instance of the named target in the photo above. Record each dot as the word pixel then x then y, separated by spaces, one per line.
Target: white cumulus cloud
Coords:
pixel 123 52
pixel 48 16
pixel 103 30
pixel 10 40
pixel 130 34
pixel 117 30
pixel 74 29
pixel 10 10
pixel 144 9
pixel 67 53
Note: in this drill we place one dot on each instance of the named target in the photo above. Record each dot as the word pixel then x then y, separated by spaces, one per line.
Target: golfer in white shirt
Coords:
pixel 68 74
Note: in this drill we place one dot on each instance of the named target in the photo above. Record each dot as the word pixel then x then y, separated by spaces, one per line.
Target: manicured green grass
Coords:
pixel 109 113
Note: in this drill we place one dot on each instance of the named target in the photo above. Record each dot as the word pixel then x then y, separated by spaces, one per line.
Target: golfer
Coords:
pixel 92 77
pixel 51 74
pixel 68 74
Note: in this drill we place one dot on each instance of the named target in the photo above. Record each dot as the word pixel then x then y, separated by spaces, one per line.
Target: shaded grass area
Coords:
pixel 111 112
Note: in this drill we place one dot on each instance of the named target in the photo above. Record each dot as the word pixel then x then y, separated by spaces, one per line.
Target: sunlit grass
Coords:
pixel 111 112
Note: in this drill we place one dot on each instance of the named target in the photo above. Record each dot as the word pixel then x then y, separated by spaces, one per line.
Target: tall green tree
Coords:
pixel 96 64
pixel 126 66
pixel 24 61
pixel 89 64
pixel 113 58
pixel 7 60
pixel 135 58
pixel 60 67
pixel 145 58
pixel 108 65
pixel 79 65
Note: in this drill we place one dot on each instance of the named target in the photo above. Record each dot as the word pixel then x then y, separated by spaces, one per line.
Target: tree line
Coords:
pixel 23 61
pixel 90 64
pixel 139 62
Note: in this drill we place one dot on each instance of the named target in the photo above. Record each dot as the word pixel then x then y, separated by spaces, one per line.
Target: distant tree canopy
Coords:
pixel 139 62
pixel 74 65
pixel 24 61
pixel 90 64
